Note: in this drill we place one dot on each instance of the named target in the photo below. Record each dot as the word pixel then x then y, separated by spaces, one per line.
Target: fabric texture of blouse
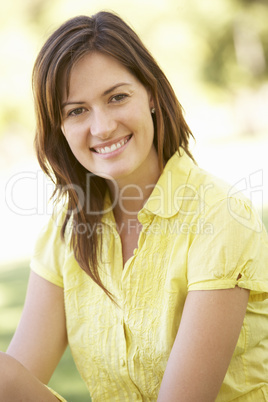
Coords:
pixel 197 234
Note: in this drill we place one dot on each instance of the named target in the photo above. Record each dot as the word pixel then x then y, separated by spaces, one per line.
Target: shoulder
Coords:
pixel 50 248
pixel 211 188
pixel 222 202
pixel 52 228
pixel 187 182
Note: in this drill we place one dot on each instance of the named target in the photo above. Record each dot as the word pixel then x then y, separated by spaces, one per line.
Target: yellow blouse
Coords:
pixel 196 234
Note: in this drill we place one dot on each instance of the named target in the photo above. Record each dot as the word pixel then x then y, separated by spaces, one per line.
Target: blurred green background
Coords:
pixel 216 56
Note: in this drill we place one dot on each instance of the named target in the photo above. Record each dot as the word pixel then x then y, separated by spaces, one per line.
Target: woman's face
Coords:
pixel 107 119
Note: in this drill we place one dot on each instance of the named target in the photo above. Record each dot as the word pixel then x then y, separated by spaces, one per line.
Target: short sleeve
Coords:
pixel 49 252
pixel 231 250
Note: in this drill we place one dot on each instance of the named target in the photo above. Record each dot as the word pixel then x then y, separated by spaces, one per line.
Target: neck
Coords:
pixel 132 192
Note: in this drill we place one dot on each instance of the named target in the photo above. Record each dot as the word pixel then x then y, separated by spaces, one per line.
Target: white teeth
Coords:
pixel 112 148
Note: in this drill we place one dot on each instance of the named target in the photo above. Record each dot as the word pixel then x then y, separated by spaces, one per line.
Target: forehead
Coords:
pixel 97 70
pixel 96 59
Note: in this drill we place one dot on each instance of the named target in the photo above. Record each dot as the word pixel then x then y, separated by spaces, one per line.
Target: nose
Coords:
pixel 102 124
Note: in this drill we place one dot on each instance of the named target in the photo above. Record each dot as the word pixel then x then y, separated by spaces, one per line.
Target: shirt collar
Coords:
pixel 169 192
pixel 167 195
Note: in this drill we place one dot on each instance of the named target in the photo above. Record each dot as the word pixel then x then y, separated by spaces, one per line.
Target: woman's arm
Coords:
pixel 41 337
pixel 205 342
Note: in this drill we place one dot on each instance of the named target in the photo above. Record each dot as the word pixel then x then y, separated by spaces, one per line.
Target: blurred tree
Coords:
pixel 232 63
pixel 219 47
pixel 238 52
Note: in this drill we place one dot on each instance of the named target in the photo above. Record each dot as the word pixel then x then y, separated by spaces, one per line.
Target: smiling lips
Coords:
pixel 113 147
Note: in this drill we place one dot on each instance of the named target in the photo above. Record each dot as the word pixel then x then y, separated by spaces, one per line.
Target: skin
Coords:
pixel 204 345
pixel 18 384
pixel 38 344
pixel 211 321
pixel 116 107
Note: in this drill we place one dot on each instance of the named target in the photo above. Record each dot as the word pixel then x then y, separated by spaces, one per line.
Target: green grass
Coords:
pixel 13 283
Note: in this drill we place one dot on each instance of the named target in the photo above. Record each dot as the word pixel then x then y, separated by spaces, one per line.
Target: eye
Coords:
pixel 118 98
pixel 77 112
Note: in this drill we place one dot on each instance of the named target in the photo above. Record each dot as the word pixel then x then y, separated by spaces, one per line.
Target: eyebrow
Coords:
pixel 107 92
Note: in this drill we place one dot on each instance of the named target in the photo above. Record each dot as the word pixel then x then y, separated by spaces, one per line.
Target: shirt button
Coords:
pixel 122 362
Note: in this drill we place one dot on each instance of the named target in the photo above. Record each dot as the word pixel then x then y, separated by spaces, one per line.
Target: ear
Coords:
pixel 151 100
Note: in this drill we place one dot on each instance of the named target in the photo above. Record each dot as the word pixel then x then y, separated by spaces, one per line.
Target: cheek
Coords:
pixel 75 136
pixel 140 118
pixel 147 126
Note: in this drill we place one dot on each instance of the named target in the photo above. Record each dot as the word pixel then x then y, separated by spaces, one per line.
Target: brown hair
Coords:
pixel 107 33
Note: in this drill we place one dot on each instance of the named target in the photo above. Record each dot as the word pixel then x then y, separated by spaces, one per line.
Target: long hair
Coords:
pixel 108 34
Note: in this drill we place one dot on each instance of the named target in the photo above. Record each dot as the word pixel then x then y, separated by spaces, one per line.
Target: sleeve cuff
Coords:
pixel 60 398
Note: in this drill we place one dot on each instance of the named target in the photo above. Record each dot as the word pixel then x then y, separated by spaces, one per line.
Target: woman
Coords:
pixel 153 272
